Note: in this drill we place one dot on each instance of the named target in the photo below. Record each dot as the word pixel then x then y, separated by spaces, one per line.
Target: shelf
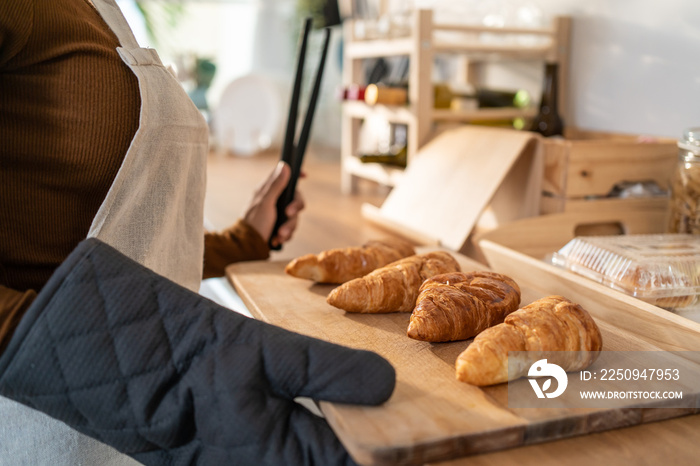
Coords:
pixel 395 114
pixel 385 47
pixel 478 49
pixel 500 41
pixel 378 48
pixel 474 28
pixel 486 114
pixel 383 174
pixel 406 114
pixel 477 44
pixel 499 44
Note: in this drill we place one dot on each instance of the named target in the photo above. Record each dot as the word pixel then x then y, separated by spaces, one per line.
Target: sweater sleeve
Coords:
pixel 241 242
pixel 16 21
pixel 13 305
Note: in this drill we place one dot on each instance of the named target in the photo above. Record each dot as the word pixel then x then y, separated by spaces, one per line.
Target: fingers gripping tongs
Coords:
pixel 293 153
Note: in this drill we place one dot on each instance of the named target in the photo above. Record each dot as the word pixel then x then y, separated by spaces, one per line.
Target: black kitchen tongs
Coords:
pixel 293 153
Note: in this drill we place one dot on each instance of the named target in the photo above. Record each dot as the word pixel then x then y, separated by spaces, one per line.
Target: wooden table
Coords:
pixel 673 442
pixel 332 220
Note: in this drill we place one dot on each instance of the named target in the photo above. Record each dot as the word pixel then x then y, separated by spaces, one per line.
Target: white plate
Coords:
pixel 248 118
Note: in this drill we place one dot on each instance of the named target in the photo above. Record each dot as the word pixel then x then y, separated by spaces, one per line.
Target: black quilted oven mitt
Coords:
pixel 168 377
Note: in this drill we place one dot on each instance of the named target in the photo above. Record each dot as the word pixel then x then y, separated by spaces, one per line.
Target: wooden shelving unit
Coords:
pixel 425 41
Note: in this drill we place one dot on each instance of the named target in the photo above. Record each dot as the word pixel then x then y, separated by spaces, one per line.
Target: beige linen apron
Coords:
pixel 153 213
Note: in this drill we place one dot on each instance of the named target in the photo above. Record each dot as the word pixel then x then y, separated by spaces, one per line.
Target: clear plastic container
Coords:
pixel 663 269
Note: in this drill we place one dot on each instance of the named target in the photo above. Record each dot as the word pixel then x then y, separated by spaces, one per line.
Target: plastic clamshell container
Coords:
pixel 662 269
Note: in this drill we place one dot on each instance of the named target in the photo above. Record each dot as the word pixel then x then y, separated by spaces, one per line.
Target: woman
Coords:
pixel 100 141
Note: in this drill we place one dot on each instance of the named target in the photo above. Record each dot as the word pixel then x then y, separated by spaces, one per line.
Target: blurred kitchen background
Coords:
pixel 633 63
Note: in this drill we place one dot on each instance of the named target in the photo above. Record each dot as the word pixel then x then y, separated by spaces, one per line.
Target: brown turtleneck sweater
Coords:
pixel 69 108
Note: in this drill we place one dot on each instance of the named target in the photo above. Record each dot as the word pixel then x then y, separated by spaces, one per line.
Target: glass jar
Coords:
pixel 685 189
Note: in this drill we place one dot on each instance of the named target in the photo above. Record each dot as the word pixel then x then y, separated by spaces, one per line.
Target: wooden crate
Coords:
pixel 519 248
pixel 582 168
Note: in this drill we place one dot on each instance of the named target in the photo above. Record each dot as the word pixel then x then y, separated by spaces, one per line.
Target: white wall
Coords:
pixel 634 63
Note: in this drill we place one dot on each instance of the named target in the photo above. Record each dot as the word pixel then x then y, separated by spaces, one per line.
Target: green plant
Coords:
pixel 159 15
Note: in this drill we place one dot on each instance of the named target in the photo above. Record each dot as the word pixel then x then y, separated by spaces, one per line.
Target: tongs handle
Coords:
pixel 293 154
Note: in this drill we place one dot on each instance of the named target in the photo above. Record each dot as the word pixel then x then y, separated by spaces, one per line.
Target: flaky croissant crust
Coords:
pixel 394 287
pixel 459 305
pixel 344 264
pixel 549 324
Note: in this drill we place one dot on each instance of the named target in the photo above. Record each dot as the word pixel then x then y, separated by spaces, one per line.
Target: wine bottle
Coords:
pixel 397 157
pixel 392 150
pixel 446 97
pixel 469 98
pixel 548 122
pixel 386 95
pixel 351 92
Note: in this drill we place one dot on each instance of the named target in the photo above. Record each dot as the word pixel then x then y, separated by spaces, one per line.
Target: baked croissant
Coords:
pixel 457 306
pixel 549 324
pixel 394 287
pixel 344 264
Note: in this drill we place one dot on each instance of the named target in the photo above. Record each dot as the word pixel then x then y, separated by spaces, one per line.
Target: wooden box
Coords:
pixel 519 249
pixel 580 170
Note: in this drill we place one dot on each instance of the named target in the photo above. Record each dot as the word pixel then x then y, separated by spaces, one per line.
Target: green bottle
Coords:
pixel 548 122
pixel 397 157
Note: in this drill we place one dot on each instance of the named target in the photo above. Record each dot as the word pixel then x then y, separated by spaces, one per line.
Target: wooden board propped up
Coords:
pixel 465 176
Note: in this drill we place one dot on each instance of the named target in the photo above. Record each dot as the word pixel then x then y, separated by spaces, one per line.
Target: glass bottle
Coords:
pixel 444 97
pixel 395 153
pixel 548 122
pixel 685 188
pixel 397 158
pixel 470 97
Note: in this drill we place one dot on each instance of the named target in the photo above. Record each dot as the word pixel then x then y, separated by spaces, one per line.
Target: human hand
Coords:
pixel 162 374
pixel 261 214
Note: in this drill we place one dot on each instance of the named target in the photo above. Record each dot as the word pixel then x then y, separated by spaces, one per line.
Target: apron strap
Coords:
pixel 114 17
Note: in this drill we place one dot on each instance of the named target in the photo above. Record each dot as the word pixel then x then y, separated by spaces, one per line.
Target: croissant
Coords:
pixel 549 324
pixel 457 306
pixel 394 287
pixel 344 264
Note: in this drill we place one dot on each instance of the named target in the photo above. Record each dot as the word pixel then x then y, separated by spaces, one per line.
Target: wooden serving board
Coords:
pixel 431 416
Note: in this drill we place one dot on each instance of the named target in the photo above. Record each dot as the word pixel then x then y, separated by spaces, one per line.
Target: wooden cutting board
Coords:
pixel 431 416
